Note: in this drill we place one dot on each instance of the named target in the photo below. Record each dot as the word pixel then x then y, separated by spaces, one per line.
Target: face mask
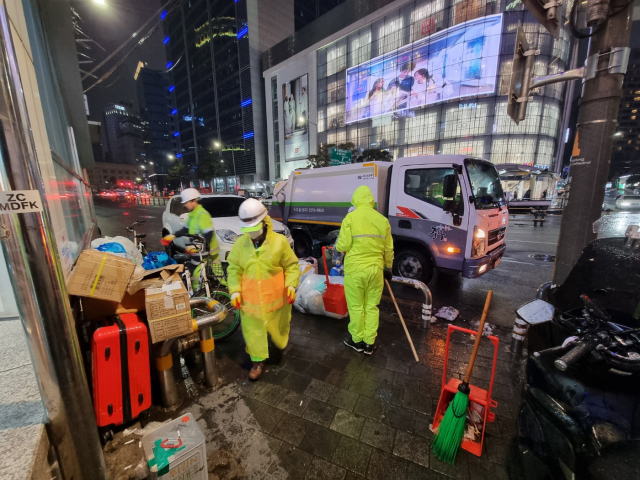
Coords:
pixel 256 234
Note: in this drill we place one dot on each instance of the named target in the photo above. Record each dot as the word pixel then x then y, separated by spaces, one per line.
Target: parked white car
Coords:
pixel 224 212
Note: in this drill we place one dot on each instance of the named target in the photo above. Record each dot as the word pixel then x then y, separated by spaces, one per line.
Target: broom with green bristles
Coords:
pixel 446 442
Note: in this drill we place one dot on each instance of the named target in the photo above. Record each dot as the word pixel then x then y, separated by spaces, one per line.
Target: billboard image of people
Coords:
pixel 295 107
pixel 461 61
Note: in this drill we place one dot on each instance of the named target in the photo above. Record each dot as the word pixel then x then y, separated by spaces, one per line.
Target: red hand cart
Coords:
pixel 333 299
pixel 481 398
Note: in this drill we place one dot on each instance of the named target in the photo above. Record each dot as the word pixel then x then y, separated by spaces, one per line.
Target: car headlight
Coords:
pixel 479 242
pixel 287 232
pixel 227 236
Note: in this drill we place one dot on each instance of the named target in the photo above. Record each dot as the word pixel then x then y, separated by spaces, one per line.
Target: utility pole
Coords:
pixel 38 283
pixel 597 122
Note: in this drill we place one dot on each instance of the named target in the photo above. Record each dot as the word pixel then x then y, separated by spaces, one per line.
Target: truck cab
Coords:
pixel 447 212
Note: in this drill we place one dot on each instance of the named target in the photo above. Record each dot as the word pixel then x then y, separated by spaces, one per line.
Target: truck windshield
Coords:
pixel 485 184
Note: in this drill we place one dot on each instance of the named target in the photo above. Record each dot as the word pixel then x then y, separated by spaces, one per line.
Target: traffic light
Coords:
pixel 520 77
pixel 546 13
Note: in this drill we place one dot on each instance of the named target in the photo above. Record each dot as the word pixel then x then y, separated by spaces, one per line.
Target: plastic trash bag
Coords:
pixel 309 295
pixel 157 260
pixel 307 266
pixel 111 247
pixel 130 250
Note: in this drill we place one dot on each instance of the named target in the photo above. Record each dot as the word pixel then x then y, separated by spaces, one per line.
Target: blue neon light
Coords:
pixel 163 15
pixel 176 134
pixel 169 64
pixel 172 88
pixel 243 32
pixel 166 40
pixel 179 155
pixel 246 102
pixel 174 111
pixel 248 135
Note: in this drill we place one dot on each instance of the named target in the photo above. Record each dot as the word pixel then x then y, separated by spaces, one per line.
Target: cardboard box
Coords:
pixel 100 275
pixel 152 278
pixel 177 451
pixel 167 306
pixel 94 308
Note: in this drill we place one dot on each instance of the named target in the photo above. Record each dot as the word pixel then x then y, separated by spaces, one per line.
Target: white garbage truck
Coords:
pixel 447 212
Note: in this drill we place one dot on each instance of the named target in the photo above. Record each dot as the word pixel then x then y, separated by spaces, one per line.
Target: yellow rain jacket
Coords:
pixel 262 276
pixel 365 237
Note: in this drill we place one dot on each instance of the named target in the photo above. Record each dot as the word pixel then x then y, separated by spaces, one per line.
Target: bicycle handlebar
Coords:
pixel 582 349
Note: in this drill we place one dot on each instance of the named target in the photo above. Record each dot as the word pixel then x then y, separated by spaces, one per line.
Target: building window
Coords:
pixel 390 35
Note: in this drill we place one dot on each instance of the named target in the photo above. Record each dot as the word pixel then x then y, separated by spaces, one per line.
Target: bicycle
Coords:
pixel 212 278
pixel 137 237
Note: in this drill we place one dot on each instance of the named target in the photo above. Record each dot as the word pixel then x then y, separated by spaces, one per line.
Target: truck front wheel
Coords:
pixel 413 264
pixel 302 244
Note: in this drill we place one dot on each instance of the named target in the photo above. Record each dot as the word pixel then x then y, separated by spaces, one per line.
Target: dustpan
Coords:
pixel 333 299
pixel 480 401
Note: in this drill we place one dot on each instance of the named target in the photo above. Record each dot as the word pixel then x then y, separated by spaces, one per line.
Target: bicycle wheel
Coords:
pixel 232 322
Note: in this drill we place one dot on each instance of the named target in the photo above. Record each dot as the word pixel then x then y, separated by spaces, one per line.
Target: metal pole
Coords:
pixel 39 287
pixel 233 157
pixel 568 103
pixel 597 121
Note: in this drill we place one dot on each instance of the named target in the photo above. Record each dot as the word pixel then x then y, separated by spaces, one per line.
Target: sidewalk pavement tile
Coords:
pixel 378 435
pixel 319 371
pixel 323 470
pixel 390 394
pixel 458 471
pixel 267 417
pixel 291 462
pixel 418 472
pixel 417 401
pixel 296 382
pixel 294 403
pixel 364 386
pixel 271 394
pixel 352 455
pixel 347 423
pixel 340 378
pixel 291 429
pixel 319 390
pixel 384 466
pixel 369 407
pixel 345 399
pixel 320 441
pixel 412 447
pixel 320 412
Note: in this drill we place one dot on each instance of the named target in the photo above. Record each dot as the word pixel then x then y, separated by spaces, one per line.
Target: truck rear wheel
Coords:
pixel 302 244
pixel 413 264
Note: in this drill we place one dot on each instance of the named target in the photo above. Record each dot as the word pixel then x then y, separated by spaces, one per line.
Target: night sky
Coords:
pixel 110 25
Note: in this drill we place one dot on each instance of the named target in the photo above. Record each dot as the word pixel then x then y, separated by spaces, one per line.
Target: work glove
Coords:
pixel 291 295
pixel 166 241
pixel 387 274
pixel 236 300
pixel 192 250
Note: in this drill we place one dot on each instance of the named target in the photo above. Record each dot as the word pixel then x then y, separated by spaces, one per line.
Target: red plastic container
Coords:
pixel 479 399
pixel 121 372
pixel 333 299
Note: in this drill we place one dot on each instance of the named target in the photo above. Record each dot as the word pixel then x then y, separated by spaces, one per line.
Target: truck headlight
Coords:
pixel 287 232
pixel 227 236
pixel 479 242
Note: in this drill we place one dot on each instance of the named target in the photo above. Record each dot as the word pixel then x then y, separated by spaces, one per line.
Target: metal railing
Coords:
pixel 150 200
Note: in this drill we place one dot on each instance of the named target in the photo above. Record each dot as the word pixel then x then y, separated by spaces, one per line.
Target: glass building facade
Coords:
pixel 210 70
pixel 449 100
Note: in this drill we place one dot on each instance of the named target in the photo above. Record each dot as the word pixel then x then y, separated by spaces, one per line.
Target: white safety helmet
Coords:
pixel 251 213
pixel 189 194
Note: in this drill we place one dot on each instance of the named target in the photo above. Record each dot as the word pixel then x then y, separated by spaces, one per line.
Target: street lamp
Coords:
pixel 219 146
pixel 100 2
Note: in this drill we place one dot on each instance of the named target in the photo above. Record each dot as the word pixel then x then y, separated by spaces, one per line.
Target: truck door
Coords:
pixel 416 215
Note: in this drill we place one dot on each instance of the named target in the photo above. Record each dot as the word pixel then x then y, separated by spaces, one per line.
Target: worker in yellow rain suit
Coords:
pixel 263 275
pixel 365 237
pixel 199 222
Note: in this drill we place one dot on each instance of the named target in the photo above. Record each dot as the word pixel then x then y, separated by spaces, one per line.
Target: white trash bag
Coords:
pixel 310 292
pixel 447 313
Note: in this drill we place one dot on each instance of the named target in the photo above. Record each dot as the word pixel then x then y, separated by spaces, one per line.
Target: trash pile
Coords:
pixel 125 248
pixel 309 294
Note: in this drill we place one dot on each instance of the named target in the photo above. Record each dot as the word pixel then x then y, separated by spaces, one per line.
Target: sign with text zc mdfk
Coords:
pixel 20 201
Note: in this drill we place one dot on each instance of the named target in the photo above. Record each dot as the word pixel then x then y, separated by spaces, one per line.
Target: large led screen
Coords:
pixel 295 108
pixel 461 61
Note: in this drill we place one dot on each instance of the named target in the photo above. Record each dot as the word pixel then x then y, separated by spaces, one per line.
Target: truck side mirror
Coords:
pixel 449 186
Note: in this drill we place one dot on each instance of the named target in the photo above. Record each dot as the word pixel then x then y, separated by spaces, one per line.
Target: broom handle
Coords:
pixel 467 377
pixel 415 354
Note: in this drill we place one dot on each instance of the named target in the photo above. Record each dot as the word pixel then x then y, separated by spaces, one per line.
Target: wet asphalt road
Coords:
pixel 514 282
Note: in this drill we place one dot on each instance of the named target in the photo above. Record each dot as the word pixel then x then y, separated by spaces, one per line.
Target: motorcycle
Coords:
pixel 580 416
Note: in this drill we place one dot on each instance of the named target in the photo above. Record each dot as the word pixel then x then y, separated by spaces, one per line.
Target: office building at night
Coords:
pixel 213 52
pixel 626 147
pixel 417 77
pixel 122 134
pixel 158 125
